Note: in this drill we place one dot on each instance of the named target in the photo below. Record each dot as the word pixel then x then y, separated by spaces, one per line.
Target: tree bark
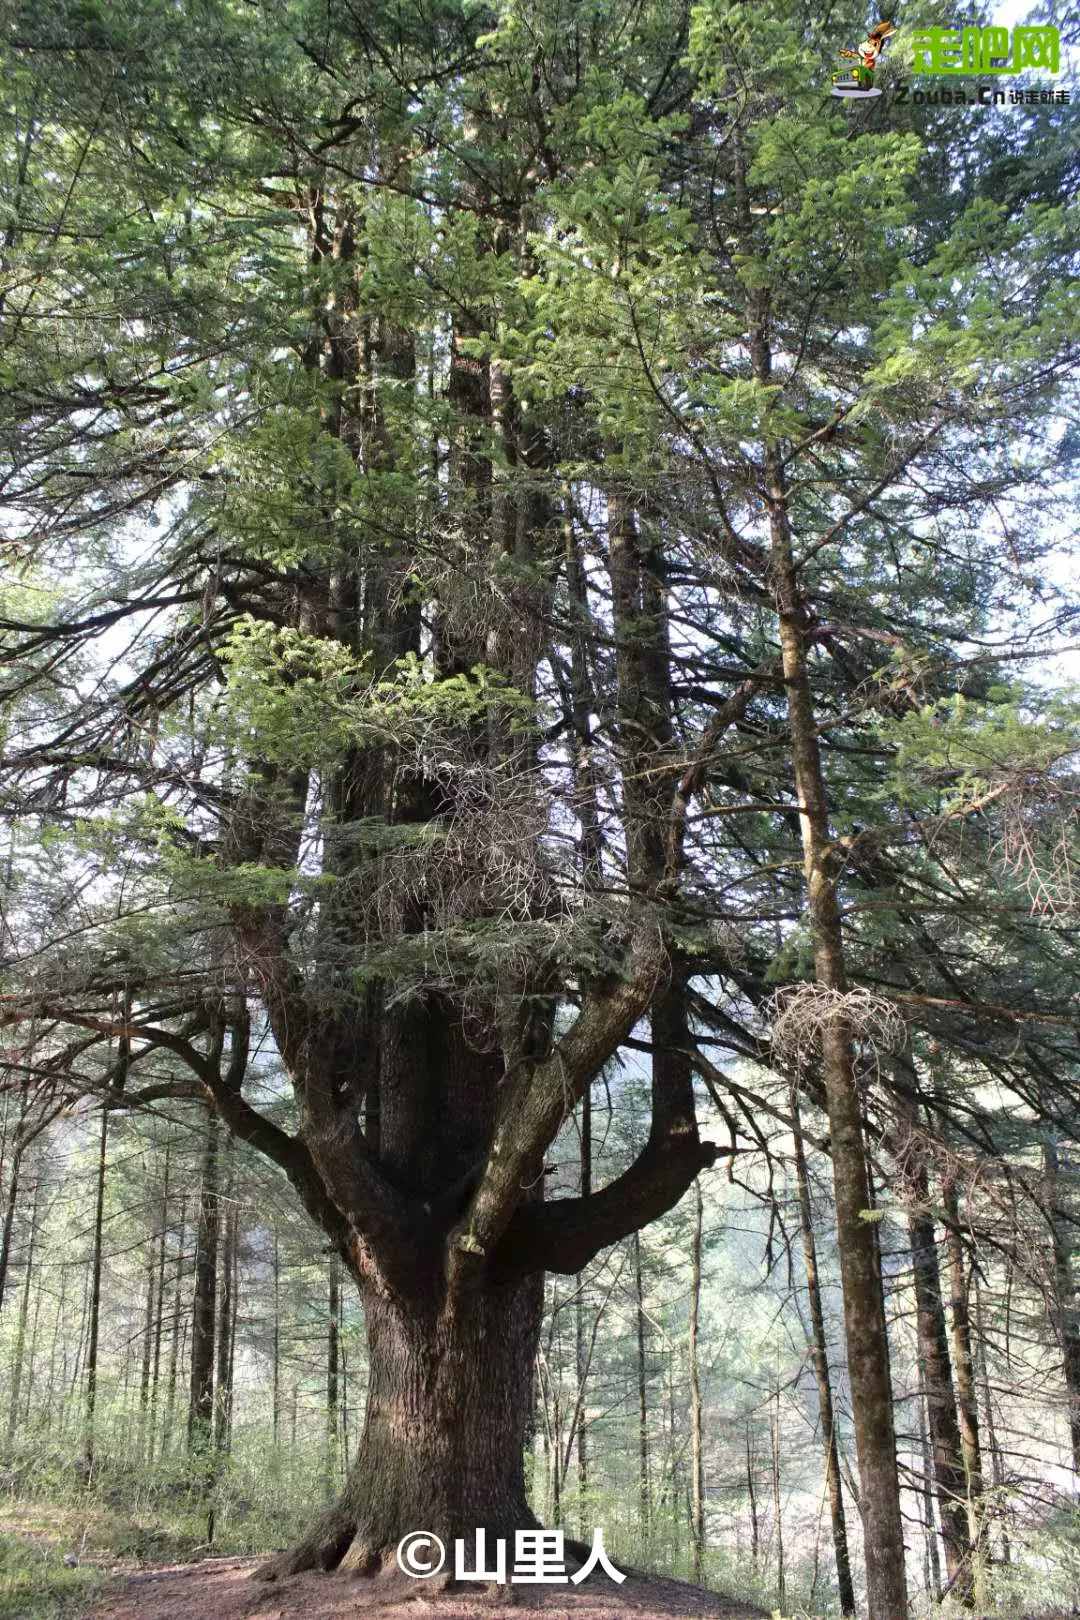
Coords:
pixel 820 1356
pixel 996 1462
pixel 1065 1310
pixel 643 1394
pixel 332 1310
pixel 174 1342
pixel 697 1461
pixel 275 1341
pixel 147 1347
pixel 226 1308
pixel 581 1353
pixel 864 1314
pixel 755 1533
pixel 967 1400
pixel 778 1517
pixel 155 1376
pixel 933 1562
pixel 13 1192
pixel 95 1296
pixel 936 1369
pixel 442 1447
pixel 204 1301
pixel 20 1331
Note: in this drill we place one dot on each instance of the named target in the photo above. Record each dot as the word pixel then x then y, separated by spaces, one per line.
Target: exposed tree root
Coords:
pixel 324 1548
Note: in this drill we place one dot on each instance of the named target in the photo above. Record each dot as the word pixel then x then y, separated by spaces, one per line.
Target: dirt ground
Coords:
pixel 220 1589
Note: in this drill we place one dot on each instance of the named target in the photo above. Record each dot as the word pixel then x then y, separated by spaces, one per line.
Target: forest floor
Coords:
pixel 221 1587
pixel 61 1563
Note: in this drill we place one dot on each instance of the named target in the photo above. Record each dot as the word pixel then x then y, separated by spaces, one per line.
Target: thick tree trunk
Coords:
pixel 442 1448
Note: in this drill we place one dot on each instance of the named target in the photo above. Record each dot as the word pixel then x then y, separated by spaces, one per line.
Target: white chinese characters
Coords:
pixel 539 1558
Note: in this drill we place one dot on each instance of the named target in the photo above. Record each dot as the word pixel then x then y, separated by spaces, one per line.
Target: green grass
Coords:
pixel 35 1583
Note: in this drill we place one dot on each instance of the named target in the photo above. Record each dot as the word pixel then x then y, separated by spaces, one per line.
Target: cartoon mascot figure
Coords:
pixel 867 55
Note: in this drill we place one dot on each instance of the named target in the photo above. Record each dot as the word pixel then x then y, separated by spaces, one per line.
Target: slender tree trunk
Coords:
pixel 778 1517
pixel 755 1533
pixel 20 1331
pixel 581 1352
pixel 555 1376
pixel 936 1368
pixel 84 1316
pixel 1065 1310
pixel 32 1358
pixel 930 1530
pixel 332 1341
pixel 967 1401
pixel 203 1308
pixel 864 1311
pixel 230 1381
pixel 174 1343
pixel 151 1439
pixel 223 1379
pixel 13 1196
pixel 95 1295
pixel 57 1335
pixel 275 1342
pixel 346 1446
pixel 697 1461
pixel 864 1314
pixel 820 1356
pixel 147 1349
pixel 643 1395
pixel 996 1463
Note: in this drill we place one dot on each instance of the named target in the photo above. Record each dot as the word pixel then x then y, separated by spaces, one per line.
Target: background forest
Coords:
pixel 539 761
pixel 699 1333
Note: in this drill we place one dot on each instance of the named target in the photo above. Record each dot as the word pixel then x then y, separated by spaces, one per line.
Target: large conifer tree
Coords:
pixel 482 481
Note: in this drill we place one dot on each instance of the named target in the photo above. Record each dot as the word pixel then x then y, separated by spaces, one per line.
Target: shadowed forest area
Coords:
pixel 539 779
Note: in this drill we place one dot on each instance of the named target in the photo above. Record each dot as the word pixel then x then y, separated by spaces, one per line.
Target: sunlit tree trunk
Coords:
pixel 697 1460
pixel 204 1299
pixel 1065 1310
pixel 20 1331
pixel 864 1311
pixel 94 1321
pixel 820 1355
pixel 644 1505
